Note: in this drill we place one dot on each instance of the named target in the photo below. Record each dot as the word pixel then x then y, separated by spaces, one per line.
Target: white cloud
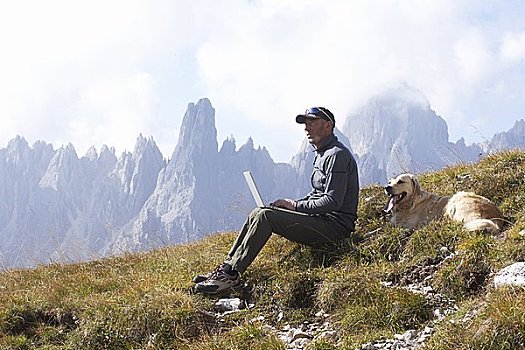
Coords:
pixel 104 71
pixel 513 48
pixel 339 53
pixel 78 71
pixel 474 57
pixel 116 110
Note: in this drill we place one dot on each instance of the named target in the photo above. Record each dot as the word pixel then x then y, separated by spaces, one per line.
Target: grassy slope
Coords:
pixel 142 301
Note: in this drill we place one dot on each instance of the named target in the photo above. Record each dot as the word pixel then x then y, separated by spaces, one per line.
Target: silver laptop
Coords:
pixel 253 189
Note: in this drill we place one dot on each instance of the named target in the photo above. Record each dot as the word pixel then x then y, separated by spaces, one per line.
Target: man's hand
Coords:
pixel 284 203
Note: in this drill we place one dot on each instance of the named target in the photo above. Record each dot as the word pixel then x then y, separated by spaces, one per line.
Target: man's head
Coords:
pixel 316 113
pixel 319 124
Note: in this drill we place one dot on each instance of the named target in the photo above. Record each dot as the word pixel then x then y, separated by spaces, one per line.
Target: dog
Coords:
pixel 413 207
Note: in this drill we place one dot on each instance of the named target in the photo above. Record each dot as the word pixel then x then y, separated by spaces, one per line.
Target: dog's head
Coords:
pixel 401 190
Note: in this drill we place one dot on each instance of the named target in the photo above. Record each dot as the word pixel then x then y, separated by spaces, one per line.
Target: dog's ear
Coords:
pixel 416 185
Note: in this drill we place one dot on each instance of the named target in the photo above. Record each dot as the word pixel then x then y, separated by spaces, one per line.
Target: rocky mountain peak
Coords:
pixel 514 137
pixel 228 146
pixel 63 168
pixel 397 131
pixel 17 150
pixel 91 154
pixel 198 135
pixel 144 144
pixel 147 162
pixel 404 112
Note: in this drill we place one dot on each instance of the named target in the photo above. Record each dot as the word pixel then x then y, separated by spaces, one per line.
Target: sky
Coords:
pixel 104 71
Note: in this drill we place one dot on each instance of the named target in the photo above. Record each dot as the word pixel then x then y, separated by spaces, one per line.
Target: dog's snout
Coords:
pixel 388 189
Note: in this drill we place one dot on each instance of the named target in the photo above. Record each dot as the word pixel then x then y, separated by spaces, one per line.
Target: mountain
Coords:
pixel 202 189
pixel 513 138
pixel 58 206
pixel 397 131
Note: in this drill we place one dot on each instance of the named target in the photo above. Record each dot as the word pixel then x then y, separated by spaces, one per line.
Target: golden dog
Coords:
pixel 413 207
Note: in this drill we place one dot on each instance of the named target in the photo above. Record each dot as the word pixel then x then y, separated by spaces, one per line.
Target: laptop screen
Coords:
pixel 253 189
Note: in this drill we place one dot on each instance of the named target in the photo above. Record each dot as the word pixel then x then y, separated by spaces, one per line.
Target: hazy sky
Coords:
pixel 101 72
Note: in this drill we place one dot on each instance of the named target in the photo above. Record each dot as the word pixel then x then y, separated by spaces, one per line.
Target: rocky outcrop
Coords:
pixel 512 275
pixel 397 132
pixel 59 207
pixel 513 138
pixel 202 190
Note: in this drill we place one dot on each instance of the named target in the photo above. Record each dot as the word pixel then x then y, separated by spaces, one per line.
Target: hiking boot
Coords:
pixel 219 281
pixel 201 278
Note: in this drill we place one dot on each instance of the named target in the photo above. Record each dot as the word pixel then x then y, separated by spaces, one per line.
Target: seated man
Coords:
pixel 326 215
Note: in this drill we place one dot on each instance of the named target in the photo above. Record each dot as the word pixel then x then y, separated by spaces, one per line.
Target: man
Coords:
pixel 326 215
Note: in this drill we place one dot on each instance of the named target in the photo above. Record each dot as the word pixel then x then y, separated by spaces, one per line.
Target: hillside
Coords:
pixel 387 282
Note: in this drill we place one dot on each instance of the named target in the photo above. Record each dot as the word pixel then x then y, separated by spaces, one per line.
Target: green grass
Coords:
pixel 143 301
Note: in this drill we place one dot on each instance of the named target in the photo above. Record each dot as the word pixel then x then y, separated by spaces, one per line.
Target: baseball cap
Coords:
pixel 316 113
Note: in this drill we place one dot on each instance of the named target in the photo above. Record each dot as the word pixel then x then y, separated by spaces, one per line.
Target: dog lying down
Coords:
pixel 413 207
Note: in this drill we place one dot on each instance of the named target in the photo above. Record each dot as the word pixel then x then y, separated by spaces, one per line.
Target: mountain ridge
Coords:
pixel 62 207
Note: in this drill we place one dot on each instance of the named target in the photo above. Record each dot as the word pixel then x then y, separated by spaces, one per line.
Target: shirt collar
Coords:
pixel 326 143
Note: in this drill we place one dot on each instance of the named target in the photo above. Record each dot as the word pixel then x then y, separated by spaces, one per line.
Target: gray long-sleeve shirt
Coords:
pixel 335 183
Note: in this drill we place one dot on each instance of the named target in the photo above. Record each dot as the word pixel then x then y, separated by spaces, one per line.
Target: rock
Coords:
pixel 257 319
pixel 512 275
pixel 301 336
pixel 322 314
pixel 410 340
pixel 229 305
pixel 327 335
pixel 298 334
pixel 368 346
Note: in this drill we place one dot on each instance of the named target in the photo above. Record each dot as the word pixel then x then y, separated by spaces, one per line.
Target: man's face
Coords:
pixel 317 130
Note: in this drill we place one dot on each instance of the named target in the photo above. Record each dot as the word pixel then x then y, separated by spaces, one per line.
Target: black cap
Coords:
pixel 316 113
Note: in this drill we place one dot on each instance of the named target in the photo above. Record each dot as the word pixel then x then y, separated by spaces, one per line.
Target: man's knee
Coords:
pixel 255 212
pixel 262 213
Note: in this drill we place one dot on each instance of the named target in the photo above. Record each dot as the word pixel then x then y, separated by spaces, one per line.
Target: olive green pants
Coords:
pixel 297 227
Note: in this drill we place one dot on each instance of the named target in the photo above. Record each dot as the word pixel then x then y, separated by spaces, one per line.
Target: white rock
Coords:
pixel 443 249
pixel 231 304
pixel 257 319
pixel 427 289
pixel 410 334
pixel 512 275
